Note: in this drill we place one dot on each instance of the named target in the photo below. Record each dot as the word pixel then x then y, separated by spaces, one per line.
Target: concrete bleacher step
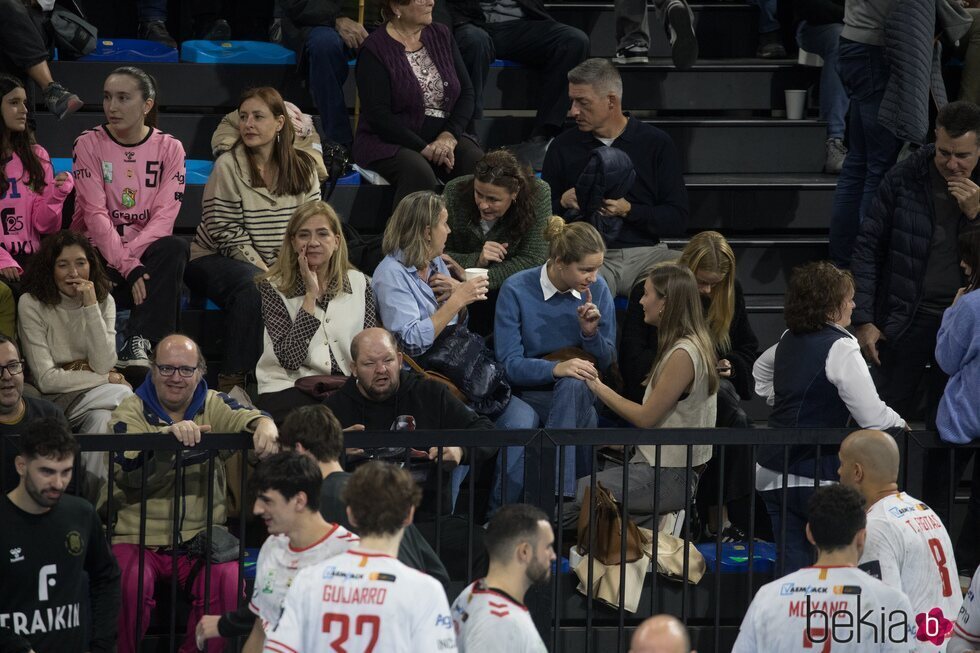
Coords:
pixel 705 145
pixel 724 85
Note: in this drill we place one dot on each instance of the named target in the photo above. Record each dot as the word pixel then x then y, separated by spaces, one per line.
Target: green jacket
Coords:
pixel 465 243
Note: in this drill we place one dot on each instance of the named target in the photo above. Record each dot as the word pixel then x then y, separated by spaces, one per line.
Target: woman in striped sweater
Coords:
pixel 252 192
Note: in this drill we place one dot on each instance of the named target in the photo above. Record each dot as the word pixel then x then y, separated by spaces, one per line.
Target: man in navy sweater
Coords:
pixel 654 207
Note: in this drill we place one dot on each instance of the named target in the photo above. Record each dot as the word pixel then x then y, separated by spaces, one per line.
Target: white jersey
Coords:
pixel 848 610
pixel 279 563
pixel 966 630
pixel 909 548
pixel 362 602
pixel 489 621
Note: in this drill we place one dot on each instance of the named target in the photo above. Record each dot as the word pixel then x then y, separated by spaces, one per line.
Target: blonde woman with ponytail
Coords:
pixel 562 307
pixel 680 393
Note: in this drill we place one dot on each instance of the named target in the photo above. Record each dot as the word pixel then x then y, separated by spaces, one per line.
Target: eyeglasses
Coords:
pixel 483 169
pixel 186 371
pixel 13 369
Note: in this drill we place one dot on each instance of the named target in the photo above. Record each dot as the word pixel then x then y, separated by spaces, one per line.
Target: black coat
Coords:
pixel 608 174
pixel 461 12
pixel 638 347
pixel 892 248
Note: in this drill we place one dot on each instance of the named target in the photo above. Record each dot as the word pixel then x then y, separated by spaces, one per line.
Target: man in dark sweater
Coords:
pixel 51 543
pixel 656 206
pixel 16 410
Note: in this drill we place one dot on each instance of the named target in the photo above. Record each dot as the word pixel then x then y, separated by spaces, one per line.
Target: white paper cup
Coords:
pixel 795 103
pixel 473 273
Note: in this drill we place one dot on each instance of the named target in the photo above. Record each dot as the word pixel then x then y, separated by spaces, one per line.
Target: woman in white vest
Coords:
pixel 313 304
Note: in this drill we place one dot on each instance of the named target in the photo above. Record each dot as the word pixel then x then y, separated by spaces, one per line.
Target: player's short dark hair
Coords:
pixel 317 429
pixel 835 514
pixel 48 437
pixel 511 525
pixel 290 473
pixel 958 118
pixel 380 496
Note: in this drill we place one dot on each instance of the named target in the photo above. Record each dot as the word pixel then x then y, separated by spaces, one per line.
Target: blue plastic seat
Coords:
pixel 735 557
pixel 61 164
pixel 353 179
pixel 236 52
pixel 505 63
pixel 135 50
pixel 198 171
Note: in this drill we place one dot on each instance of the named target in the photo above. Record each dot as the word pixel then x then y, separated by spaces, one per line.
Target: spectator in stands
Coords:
pixel 905 263
pixel 325 35
pixel 552 339
pixel 633 31
pixel 313 304
pixel 60 584
pixel 969 50
pixel 67 330
pixel 770 31
pixel 24 53
pixel 864 69
pixel 228 134
pixel 489 614
pixel 497 218
pixel 287 487
pixel 822 22
pixel 416 102
pixel 414 612
pixel 31 195
pixel 521 31
pixel 814 377
pixel 175 399
pixel 662 633
pixel 379 394
pixel 780 618
pixel 205 21
pixel 907 545
pixel 709 256
pixel 249 198
pixel 129 184
pixel 655 207
pixel 681 387
pixel 958 419
pixel 17 410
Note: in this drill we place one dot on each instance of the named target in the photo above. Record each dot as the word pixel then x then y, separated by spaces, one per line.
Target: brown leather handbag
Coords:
pixel 609 528
pixel 438 378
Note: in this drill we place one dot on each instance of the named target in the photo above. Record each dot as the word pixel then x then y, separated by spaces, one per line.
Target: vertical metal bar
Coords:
pixel 654 598
pixel 109 502
pixel 141 567
pixel 953 482
pixel 784 491
pixel 439 490
pixel 241 530
pixel 174 544
pixel 469 522
pixel 688 506
pixel 621 629
pixel 555 646
pixel 753 470
pixel 503 476
pixel 719 501
pixel 209 523
pixel 589 602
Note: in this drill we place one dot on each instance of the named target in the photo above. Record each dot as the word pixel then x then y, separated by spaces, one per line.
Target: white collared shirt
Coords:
pixel 548 289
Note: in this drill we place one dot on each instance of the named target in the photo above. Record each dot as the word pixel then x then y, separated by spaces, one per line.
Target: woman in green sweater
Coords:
pixel 497 218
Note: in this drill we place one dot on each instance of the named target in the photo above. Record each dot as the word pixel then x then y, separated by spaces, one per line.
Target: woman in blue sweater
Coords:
pixel 554 330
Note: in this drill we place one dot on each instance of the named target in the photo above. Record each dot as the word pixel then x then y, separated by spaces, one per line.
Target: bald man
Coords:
pixel 661 634
pixel 907 544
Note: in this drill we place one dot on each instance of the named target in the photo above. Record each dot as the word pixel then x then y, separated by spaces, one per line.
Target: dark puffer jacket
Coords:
pixel 892 249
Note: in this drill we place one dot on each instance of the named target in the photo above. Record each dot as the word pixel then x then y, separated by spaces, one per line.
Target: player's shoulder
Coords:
pixel 273 544
pixel 166 141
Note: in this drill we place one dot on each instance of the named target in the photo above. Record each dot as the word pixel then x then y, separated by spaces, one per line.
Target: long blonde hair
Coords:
pixel 409 226
pixel 708 251
pixel 682 317
pixel 284 273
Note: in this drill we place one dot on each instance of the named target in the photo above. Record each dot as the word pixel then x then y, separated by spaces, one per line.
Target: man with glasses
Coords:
pixel 175 399
pixel 16 410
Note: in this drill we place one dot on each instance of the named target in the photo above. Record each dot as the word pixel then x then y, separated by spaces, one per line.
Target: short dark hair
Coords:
pixel 290 473
pixel 380 496
pixel 509 526
pixel 48 437
pixel 969 250
pixel 38 278
pixel 317 429
pixel 835 514
pixel 958 118
pixel 815 291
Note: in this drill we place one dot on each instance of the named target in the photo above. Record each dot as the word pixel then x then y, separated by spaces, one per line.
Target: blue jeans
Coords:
pixel 767 16
pixel 328 57
pixel 872 149
pixel 796 552
pixel 824 40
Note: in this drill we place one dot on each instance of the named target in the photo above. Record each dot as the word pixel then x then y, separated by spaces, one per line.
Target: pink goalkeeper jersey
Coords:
pixel 26 215
pixel 127 196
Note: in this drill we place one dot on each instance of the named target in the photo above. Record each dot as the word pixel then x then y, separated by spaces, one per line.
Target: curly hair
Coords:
pixel 19 143
pixel 501 168
pixel 835 514
pixel 39 277
pixel 814 296
pixel 380 497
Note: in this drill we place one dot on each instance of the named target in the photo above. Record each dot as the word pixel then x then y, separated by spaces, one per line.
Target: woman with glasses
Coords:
pixel 416 101
pixel 497 216
pixel 67 328
pixel 313 304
